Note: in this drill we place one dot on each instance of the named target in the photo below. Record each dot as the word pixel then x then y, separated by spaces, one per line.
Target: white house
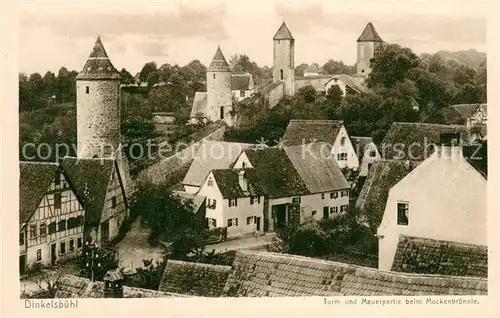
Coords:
pixel 233 202
pixel 242 86
pixel 312 71
pixel 332 132
pixel 443 198
pixel 51 218
pixel 367 153
pixel 352 84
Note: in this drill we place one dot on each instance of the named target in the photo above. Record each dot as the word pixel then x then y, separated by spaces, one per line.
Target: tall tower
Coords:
pixel 219 94
pixel 367 44
pixel 284 56
pixel 98 106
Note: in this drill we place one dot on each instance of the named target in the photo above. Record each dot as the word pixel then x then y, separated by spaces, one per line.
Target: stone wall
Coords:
pixel 273 93
pixel 318 82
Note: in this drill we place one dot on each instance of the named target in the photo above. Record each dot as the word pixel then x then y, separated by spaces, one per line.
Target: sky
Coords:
pixel 63 33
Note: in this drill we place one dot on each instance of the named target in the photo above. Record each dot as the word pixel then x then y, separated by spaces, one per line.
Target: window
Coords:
pixel 334 209
pixel 72 223
pixel 373 153
pixel 243 164
pixel 343 208
pixel 344 193
pixel 403 213
pixel 362 51
pixel 210 183
pixel 369 166
pixel 71 245
pixel 61 226
pixel 242 93
pixel 296 200
pixel 342 156
pixel 52 227
pixel 33 231
pixel 233 202
pixel 87 90
pixel 232 222
pixel 251 200
pixel 212 203
pixel 38 255
pixel 342 141
pixel 250 220
pixel 212 222
pixel 113 202
pixel 79 243
pixel 57 200
pixel 21 238
pixel 222 112
pixel 214 76
pixel 258 199
pixel 334 195
pixel 281 74
pixel 63 248
pixel 43 229
pixel 58 178
pixel 314 212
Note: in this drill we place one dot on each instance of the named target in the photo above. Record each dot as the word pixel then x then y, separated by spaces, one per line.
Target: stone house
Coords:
pixel 51 217
pixel 444 190
pixel 242 86
pixel 332 132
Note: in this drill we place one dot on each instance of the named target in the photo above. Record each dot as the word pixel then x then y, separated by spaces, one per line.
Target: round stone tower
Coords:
pixel 284 59
pixel 98 106
pixel 219 94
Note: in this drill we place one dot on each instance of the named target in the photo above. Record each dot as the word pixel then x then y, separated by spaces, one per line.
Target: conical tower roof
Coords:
pixel 98 66
pixel 369 34
pixel 283 33
pixel 219 63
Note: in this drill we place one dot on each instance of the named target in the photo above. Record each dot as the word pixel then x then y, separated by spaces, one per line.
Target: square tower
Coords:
pixel 368 42
pixel 284 59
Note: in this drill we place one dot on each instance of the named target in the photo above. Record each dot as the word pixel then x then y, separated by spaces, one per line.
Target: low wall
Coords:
pixel 274 93
pixel 317 82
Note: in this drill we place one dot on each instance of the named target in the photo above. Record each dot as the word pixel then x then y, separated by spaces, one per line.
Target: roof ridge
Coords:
pixel 215 266
pixel 317 120
pixel 436 240
pixel 39 163
pixel 428 124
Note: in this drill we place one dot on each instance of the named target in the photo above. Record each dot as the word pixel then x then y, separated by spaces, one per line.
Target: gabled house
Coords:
pixel 367 153
pixel 472 114
pixel 234 201
pixel 242 86
pixel 332 132
pixel 348 84
pixel 298 183
pixel 443 198
pixel 98 184
pixel 51 217
pixel 312 71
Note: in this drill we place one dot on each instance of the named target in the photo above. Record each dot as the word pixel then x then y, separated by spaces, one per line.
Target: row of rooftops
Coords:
pixel 258 274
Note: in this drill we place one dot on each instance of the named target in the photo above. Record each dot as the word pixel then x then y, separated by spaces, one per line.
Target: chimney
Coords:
pixel 242 181
pixel 113 284
pixel 450 146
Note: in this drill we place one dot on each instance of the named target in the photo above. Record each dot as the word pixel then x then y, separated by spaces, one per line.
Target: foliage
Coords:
pixel 106 260
pixel 241 63
pixel 126 77
pixel 307 94
pixel 46 282
pixel 148 277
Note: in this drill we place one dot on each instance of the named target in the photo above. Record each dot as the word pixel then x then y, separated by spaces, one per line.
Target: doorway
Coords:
pixel 22 264
pixel 105 232
pixel 53 255
pixel 279 216
pixel 325 212
pixel 257 220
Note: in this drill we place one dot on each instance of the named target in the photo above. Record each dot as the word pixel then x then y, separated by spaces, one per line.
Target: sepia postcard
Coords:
pixel 296 158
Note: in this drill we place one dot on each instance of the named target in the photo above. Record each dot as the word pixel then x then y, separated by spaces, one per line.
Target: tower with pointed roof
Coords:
pixel 283 59
pixel 368 42
pixel 219 94
pixel 98 106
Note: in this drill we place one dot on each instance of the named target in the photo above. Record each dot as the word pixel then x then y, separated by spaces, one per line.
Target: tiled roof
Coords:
pixel 276 173
pixel 196 279
pixel 283 33
pixel 240 81
pixel 98 66
pixel 228 183
pixel 219 63
pixel 357 83
pixel 90 179
pixel 70 286
pixel 466 110
pixel 360 143
pixel 428 256
pixel 415 139
pixel 313 68
pixel 260 274
pixel 195 200
pixel 317 167
pixel 199 104
pixel 212 155
pixel 369 34
pixel 301 131
pixel 34 182
pixel 383 175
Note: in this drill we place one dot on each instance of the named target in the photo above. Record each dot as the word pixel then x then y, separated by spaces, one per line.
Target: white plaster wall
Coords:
pixel 352 161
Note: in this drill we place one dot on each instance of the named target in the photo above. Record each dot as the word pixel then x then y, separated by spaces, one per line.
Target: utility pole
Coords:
pixel 92 259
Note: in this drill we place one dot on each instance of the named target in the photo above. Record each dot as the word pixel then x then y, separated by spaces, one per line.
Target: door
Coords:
pixel 22 264
pixel 53 255
pixel 258 223
pixel 325 212
pixel 105 232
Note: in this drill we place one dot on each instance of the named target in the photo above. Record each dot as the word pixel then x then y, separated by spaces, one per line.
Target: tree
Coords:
pixel 299 70
pixel 126 77
pixel 336 67
pixel 307 93
pixel 146 70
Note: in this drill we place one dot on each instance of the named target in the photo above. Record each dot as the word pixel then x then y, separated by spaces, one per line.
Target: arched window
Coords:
pixel 222 112
pixel 281 74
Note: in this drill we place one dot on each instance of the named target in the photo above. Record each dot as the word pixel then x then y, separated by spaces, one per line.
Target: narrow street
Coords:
pixel 134 248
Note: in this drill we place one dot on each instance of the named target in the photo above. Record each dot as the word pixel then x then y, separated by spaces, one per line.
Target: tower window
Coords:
pixel 281 74
pixel 87 89
pixel 362 53
pixel 222 112
pixel 214 76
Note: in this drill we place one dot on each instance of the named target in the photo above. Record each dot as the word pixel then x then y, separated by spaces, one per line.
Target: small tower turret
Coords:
pixel 98 106
pixel 284 59
pixel 367 44
pixel 219 94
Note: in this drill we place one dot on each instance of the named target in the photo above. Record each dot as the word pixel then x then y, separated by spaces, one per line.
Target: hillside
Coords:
pixel 471 58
